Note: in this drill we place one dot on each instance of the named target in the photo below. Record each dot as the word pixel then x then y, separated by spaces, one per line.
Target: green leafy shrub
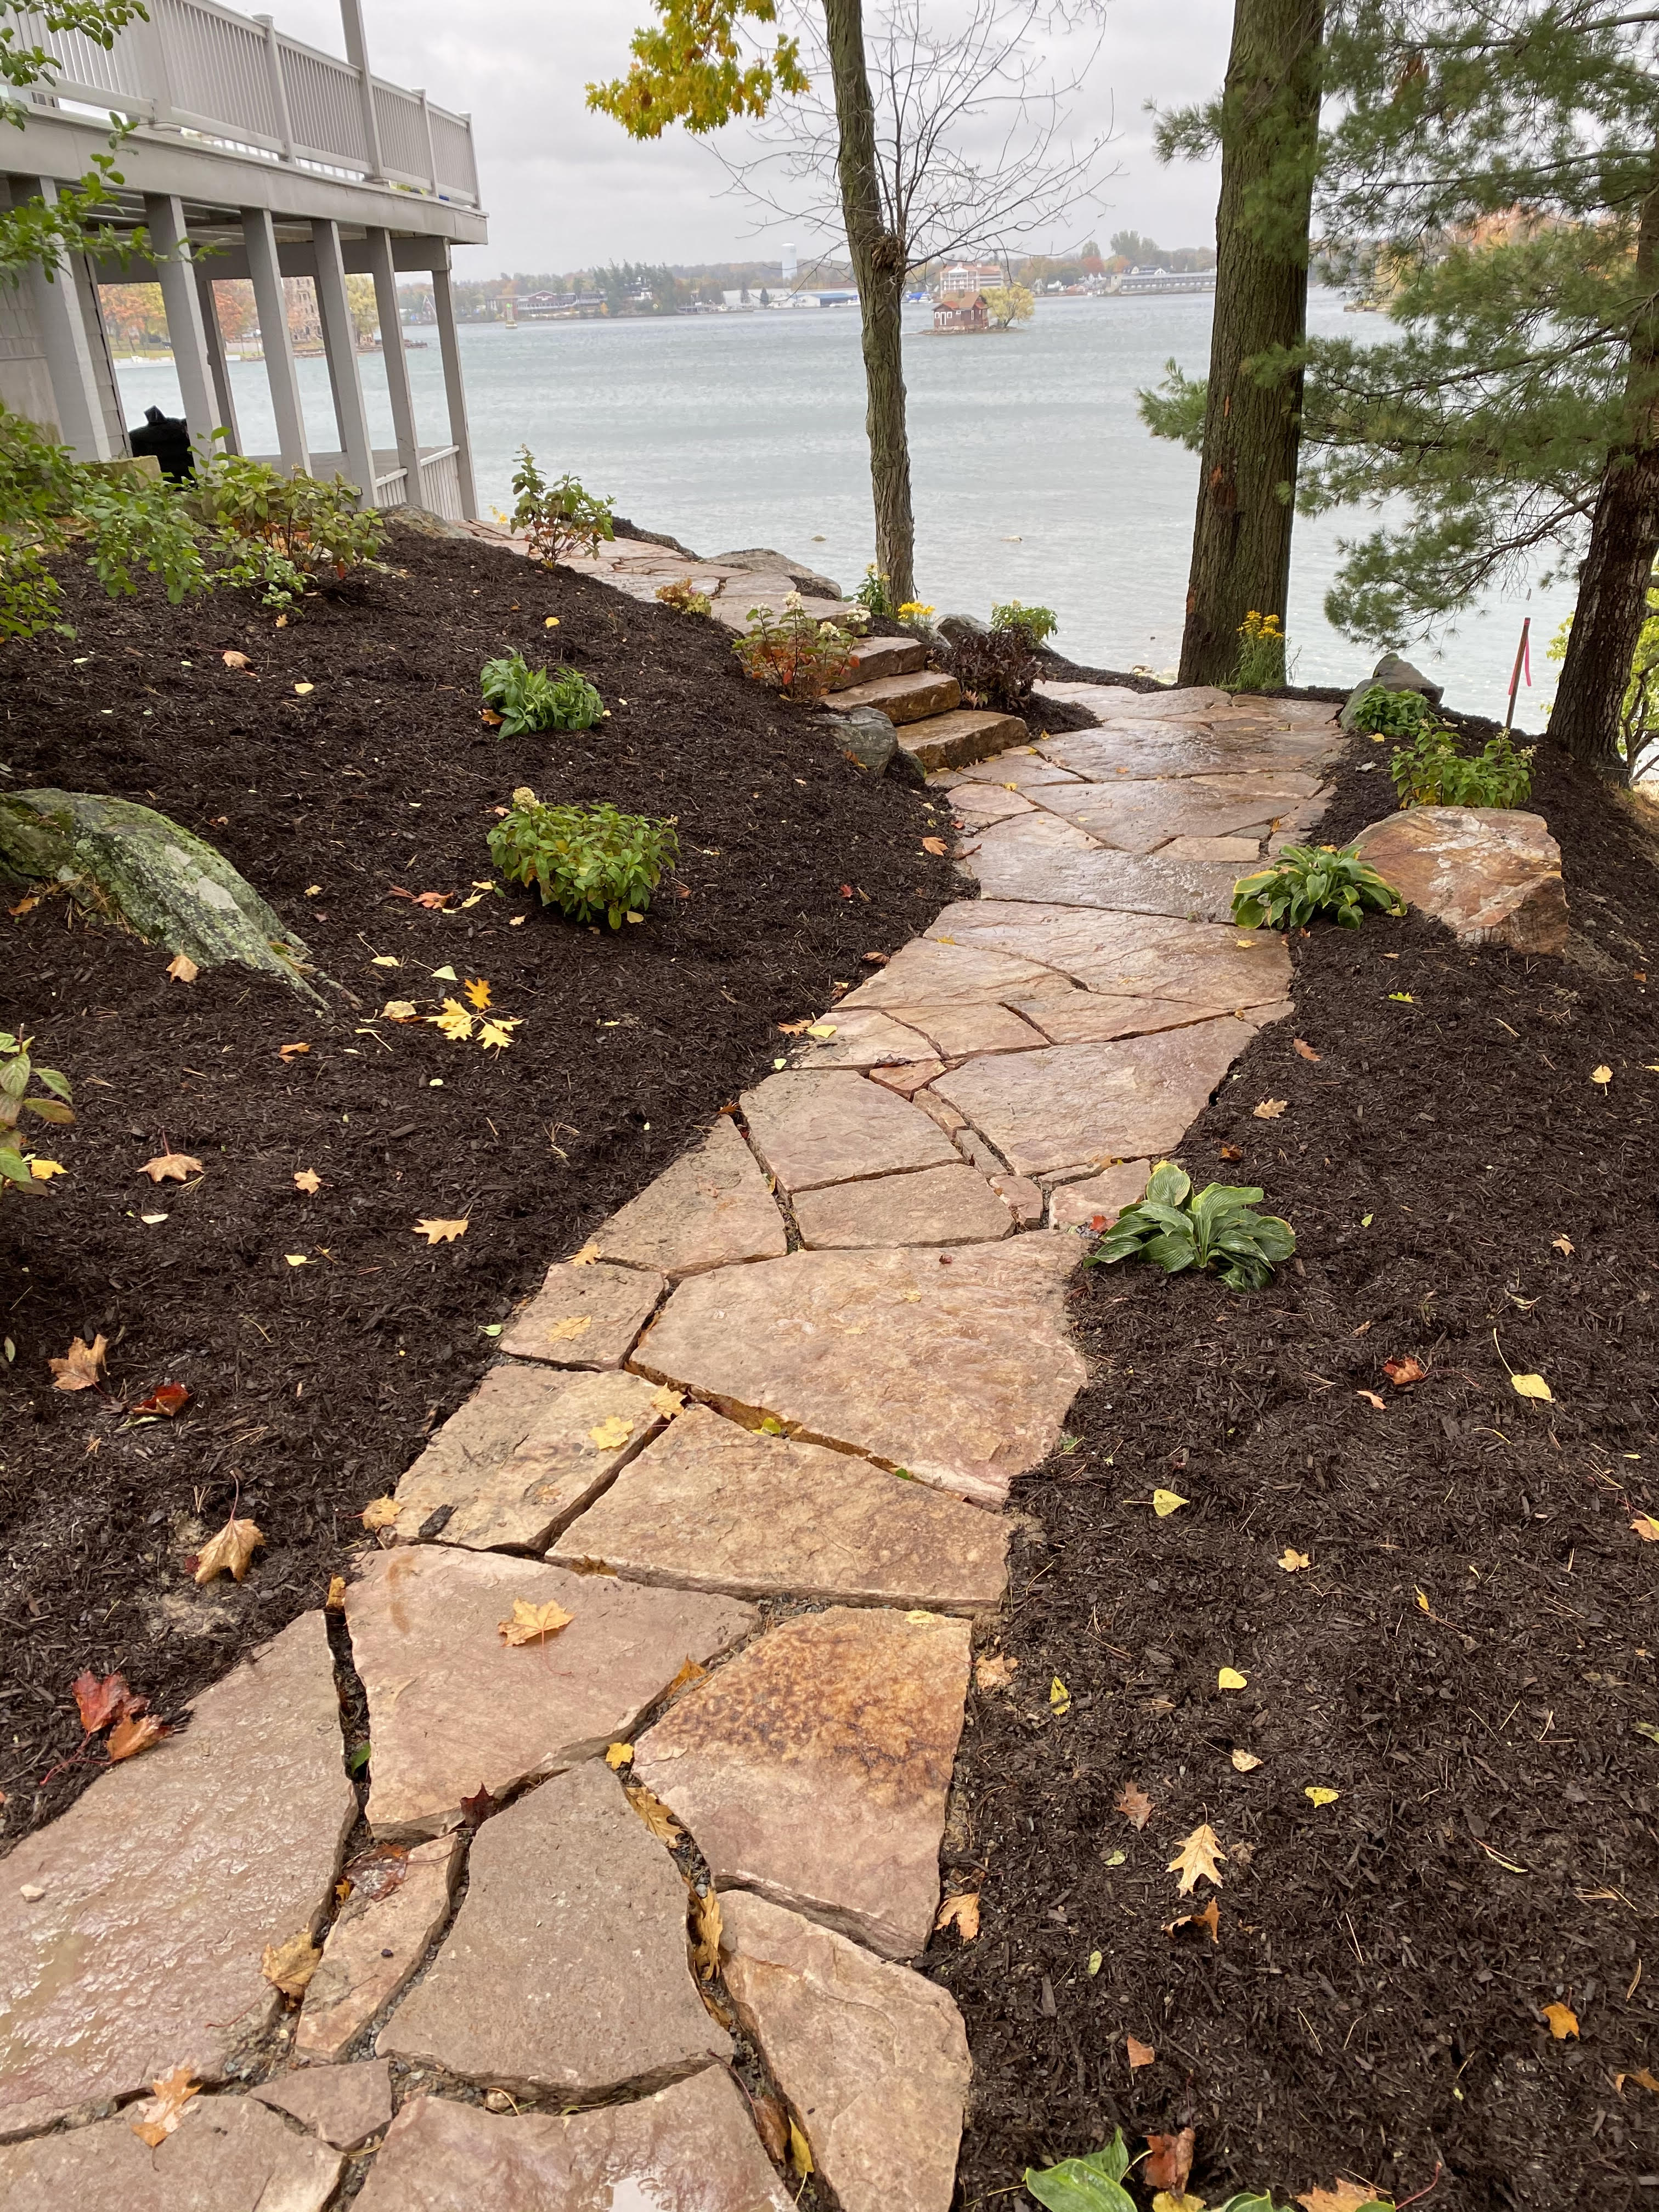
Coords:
pixel 873 594
pixel 683 594
pixel 528 698
pixel 1379 713
pixel 17 1071
pixel 1033 623
pixel 592 862
pixel 279 535
pixel 1306 880
pixel 557 518
pixel 794 652
pixel 1431 772
pixel 1216 1228
pixel 1095 2184
pixel 995 668
pixel 1261 653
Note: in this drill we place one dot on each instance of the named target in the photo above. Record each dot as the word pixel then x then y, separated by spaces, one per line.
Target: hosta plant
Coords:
pixel 1430 771
pixel 526 698
pixel 17 1071
pixel 558 518
pixel 793 651
pixel 1217 1228
pixel 1306 880
pixel 593 863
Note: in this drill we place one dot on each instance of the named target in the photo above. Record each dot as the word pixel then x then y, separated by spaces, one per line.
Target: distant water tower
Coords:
pixel 790 264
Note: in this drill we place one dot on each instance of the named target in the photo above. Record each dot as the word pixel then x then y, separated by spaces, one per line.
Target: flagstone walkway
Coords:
pixel 628 1913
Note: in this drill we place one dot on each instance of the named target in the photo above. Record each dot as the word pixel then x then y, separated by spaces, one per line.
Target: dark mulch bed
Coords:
pixel 1467 1660
pixel 314 1386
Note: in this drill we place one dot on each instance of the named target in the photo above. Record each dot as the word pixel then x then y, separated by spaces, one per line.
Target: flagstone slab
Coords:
pixel 381 1936
pixel 872 2058
pixel 1116 702
pixel 226 2152
pixel 813 1767
pixel 452 1709
pixel 812 1129
pixel 711 1506
pixel 1492 874
pixel 585 1314
pixel 530 1447
pixel 962 1375
pixel 1095 1102
pixel 566 1968
pixel 711 1209
pixel 1095 1202
pixel 690 2149
pixel 864 1037
pixel 933 970
pixel 958 1027
pixel 978 805
pixel 1144 817
pixel 908 1081
pixel 1205 750
pixel 1235 854
pixel 904 699
pixel 940 1205
pixel 132 1927
pixel 344 2105
pixel 1043 859
pixel 1125 955
pixel 1025 770
pixel 954 738
pixel 886 656
pixel 1090 1017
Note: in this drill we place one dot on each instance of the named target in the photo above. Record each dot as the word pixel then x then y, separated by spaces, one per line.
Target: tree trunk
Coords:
pixel 879 272
pixel 1269 140
pixel 1618 567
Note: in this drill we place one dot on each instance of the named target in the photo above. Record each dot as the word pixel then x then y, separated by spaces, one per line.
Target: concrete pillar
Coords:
pixel 260 236
pixel 396 364
pixel 224 398
pixel 443 305
pixel 67 344
pixel 164 217
pixel 356 46
pixel 340 344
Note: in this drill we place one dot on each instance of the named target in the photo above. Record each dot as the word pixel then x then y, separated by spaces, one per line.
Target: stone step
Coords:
pixel 905 698
pixel 955 738
pixel 883 656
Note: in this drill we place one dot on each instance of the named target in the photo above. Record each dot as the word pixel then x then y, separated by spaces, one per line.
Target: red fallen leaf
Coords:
pixel 847 891
pixel 1404 1372
pixel 1096 1222
pixel 102 1699
pixel 134 1732
pixel 1168 2160
pixel 477 1808
pixel 167 1398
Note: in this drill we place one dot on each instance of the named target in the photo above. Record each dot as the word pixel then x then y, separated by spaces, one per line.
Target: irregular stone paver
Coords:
pixel 1124 955
pixel 1147 750
pixel 1014 771
pixel 163 1885
pixel 714 1507
pixel 378 1940
pixel 945 1117
pixel 1236 854
pixel 976 804
pixel 1118 702
pixel 1491 873
pixel 908 1081
pixel 965 734
pixel 1072 1103
pixel 929 971
pixel 872 2058
pixel 961 1375
pixel 1089 1018
pixel 940 1205
pixel 863 1037
pixel 690 2148
pixel 813 1767
pixel 226 2152
pixel 905 698
pixel 586 1315
pixel 1041 858
pixel 567 1967
pixel 1097 1200
pixel 1141 817
pixel 452 1709
pixel 344 2105
pixel 711 1209
pixel 1022 1198
pixel 519 1458
pixel 812 1129
pixel 958 1027
pixel 885 656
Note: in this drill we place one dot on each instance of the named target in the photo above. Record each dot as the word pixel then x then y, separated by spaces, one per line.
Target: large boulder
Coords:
pixel 1394 674
pixel 863 734
pixel 117 858
pixel 762 561
pixel 1492 875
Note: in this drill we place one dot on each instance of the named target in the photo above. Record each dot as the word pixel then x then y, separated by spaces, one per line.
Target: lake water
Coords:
pixel 1033 477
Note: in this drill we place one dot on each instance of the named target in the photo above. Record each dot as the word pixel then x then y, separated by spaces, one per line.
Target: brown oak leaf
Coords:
pixel 154 2120
pixel 1197 1857
pixel 1135 1804
pixel 1404 1370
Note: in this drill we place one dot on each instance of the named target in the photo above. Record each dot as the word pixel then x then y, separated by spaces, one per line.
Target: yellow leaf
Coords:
pixel 1270 1110
pixel 379 1513
pixel 229 1552
pixel 1166 1502
pixel 654 1814
pixel 1229 1678
pixel 551 623
pixel 1245 1762
pixel 618 1755
pixel 611 1432
pixel 1320 1795
pixel 666 1402
pixel 454 1021
pixel 439 1232
pixel 821 1030
pixel 532 1624
pixel 303 688
pixel 574 1325
pixel 800 2158
pixel 172 1167
pixel 1060 1697
pixel 1602 1074
pixel 385 960
pixel 477 992
pixel 307 1179
pixel 1176 2200
pixel 401 1010
pixel 1562 1245
pixel 962 1913
pixel 335 1601
pixel 1641 2075
pixel 1532 1386
pixel 289 1967
pixel 1198 1855
pixel 494 1036
pixel 706 1934
pixel 911 1297
pixel 1345 2195
pixel 154 2120
pixel 1646 1527
pixel 1293 1562
pixel 183 969
pixel 44 1170
pixel 1422 1598
pixel 296 1259
pixel 586 1256
pixel 1563 2019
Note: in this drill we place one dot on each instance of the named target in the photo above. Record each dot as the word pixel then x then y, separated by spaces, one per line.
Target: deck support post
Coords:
pixel 265 270
pixel 164 217
pixel 67 344
pixel 396 364
pixel 340 344
pixel 443 306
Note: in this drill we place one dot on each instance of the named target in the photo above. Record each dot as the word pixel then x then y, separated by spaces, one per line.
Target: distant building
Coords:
pixel 1166 280
pixel 969 313
pixel 970 276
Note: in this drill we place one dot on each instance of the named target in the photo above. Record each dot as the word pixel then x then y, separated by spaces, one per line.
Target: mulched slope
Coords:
pixel 1467 1660
pixel 314 1385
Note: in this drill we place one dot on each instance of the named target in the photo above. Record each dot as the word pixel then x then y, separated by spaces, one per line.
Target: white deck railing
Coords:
pixel 200 69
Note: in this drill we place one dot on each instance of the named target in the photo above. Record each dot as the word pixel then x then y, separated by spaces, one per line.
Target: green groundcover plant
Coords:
pixel 557 518
pixel 1095 2184
pixel 1380 713
pixel 593 863
pixel 1033 623
pixel 528 698
pixel 281 535
pixel 17 1072
pixel 1430 771
pixel 1307 880
pixel 1216 1228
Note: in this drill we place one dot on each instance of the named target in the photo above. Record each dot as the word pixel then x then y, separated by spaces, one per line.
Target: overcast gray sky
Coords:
pixel 565 188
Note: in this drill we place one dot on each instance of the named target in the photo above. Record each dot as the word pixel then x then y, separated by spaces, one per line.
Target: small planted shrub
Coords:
pixel 1094 2183
pixel 792 652
pixel 1034 625
pixel 17 1071
pixel 1382 713
pixel 593 863
pixel 1217 1228
pixel 1307 880
pixel 684 595
pixel 1430 771
pixel 283 536
pixel 873 595
pixel 995 668
pixel 1261 653
pixel 916 615
pixel 526 698
pixel 558 518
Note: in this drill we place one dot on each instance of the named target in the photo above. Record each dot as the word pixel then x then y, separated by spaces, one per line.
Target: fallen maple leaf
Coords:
pixel 1342 2197
pixel 1270 1108
pixel 654 1814
pixel 478 992
pixel 692 1671
pixel 1563 2019
pixel 439 1232
pixel 586 1256
pixel 289 1967
pixel 666 1402
pixel 995 1670
pixel 167 1399
pixel 1371 1399
pixel 155 2119
pixel 183 969
pixel 1404 1372
pixel 308 1180
pixel 1231 1152
pixel 1641 2075
pixel 228 1552
pixel 936 845
pixel 962 1913
pixel 1245 1762
pixel 101 1699
pixel 454 1021
pixel 1169 2160
pixel 706 1934
pixel 1307 1050
pixel 477 1808
pixel 133 1733
pixel 572 1325
pixel 611 1432
pixel 1135 1804
pixel 618 1755
pixel 1320 1795
pixel 1292 1562
pixel 1646 1527
pixel 379 1513
pixel 1198 1854
pixel 335 1601
pixel 80 1367
pixel 1532 1386
pixel 1603 1075
pixel 532 1623
pixel 1209 1920
pixel 172 1167
pixel 1562 1245
pixel 291 1051
pixel 1140 2054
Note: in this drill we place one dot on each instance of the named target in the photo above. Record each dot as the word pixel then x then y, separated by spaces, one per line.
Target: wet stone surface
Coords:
pixel 344 2105
pixel 815 1129
pixel 379 1938
pixel 225 2152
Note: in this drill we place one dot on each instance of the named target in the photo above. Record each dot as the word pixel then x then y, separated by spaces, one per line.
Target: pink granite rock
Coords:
pixel 1126 955
pixel 960 1375
pixel 452 1709
pixel 939 1205
pixel 714 1507
pixel 813 1767
pixel 692 2147
pixel 1491 873
pixel 1041 858
pixel 812 1130
pixel 872 2058
pixel 226 2152
pixel 131 1927
pixel 344 2105
pixel 711 1209
pixel 1097 1200
pixel 585 1314
pixel 397 1904
pixel 521 1457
